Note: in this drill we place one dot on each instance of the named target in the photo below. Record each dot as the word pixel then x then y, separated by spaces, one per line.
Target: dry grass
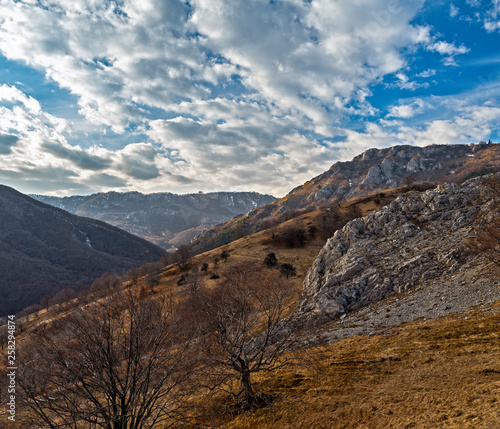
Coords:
pixel 443 373
pixel 255 247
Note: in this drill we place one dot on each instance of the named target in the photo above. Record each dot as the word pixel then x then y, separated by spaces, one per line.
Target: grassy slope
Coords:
pixel 439 373
pixel 426 374
pixel 256 246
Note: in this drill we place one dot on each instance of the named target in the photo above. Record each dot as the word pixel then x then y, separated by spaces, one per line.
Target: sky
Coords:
pixel 234 95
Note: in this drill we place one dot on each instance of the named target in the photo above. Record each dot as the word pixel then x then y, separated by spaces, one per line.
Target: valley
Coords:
pixel 393 314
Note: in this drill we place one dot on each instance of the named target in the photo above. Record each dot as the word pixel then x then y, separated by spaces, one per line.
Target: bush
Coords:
pixel 288 270
pixel 271 260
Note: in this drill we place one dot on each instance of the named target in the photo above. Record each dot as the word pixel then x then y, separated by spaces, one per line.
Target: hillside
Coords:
pixel 44 249
pixel 418 238
pixel 397 319
pixel 402 318
pixel 166 219
pixel 375 170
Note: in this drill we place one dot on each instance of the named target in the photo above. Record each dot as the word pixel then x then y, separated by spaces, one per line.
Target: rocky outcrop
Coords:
pixel 379 169
pixel 419 236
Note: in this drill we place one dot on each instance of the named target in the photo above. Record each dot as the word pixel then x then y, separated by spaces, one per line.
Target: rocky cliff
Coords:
pixel 378 169
pixel 418 237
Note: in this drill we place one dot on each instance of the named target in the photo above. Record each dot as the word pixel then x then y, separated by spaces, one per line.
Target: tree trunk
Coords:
pixel 247 389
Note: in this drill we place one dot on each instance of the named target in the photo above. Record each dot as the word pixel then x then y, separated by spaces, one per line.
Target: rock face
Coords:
pixel 379 169
pixel 417 237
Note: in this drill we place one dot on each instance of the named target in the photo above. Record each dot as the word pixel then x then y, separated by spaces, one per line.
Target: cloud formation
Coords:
pixel 216 94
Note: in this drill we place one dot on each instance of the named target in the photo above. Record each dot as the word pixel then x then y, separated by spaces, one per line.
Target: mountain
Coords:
pixel 165 219
pixel 45 249
pixel 418 242
pixel 397 304
pixel 375 170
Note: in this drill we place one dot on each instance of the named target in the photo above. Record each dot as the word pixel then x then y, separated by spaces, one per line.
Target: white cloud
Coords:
pixel 445 48
pixel 404 82
pixel 214 90
pixel 13 95
pixel 471 123
pixel 487 14
pixel 301 55
pixel 406 111
pixel 427 73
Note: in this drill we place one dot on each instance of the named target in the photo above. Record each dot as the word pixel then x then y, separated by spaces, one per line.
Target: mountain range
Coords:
pixel 375 170
pixel 166 219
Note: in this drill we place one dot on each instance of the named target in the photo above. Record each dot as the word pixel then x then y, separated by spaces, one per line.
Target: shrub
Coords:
pixel 288 270
pixel 271 260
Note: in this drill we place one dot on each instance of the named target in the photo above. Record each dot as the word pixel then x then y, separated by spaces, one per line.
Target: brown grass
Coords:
pixel 443 373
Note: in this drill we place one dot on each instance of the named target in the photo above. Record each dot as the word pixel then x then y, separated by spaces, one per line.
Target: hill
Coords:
pixel 44 249
pixel 166 219
pixel 398 315
pixel 420 239
pixel 402 317
pixel 375 170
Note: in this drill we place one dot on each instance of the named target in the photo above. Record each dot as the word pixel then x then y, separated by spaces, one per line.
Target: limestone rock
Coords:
pixel 417 237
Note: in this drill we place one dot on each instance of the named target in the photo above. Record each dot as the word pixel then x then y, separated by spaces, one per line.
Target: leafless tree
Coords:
pixel 119 363
pixel 182 255
pixel 243 326
pixel 105 285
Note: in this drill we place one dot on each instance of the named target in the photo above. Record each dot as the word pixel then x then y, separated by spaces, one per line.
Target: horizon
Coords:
pixel 182 97
pixel 238 191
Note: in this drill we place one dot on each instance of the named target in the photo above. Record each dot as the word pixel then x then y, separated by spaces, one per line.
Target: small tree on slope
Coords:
pixel 242 325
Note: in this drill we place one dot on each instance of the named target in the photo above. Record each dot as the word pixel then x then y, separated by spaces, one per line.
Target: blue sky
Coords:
pixel 206 95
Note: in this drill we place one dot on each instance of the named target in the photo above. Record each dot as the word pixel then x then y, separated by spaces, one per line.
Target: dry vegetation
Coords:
pixel 443 373
pixel 426 374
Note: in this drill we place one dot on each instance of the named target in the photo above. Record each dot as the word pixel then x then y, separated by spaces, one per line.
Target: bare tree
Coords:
pixel 183 254
pixel 62 298
pixel 119 363
pixel 105 285
pixel 242 325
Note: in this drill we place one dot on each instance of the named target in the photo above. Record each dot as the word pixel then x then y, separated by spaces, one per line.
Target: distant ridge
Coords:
pixel 44 249
pixel 165 219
